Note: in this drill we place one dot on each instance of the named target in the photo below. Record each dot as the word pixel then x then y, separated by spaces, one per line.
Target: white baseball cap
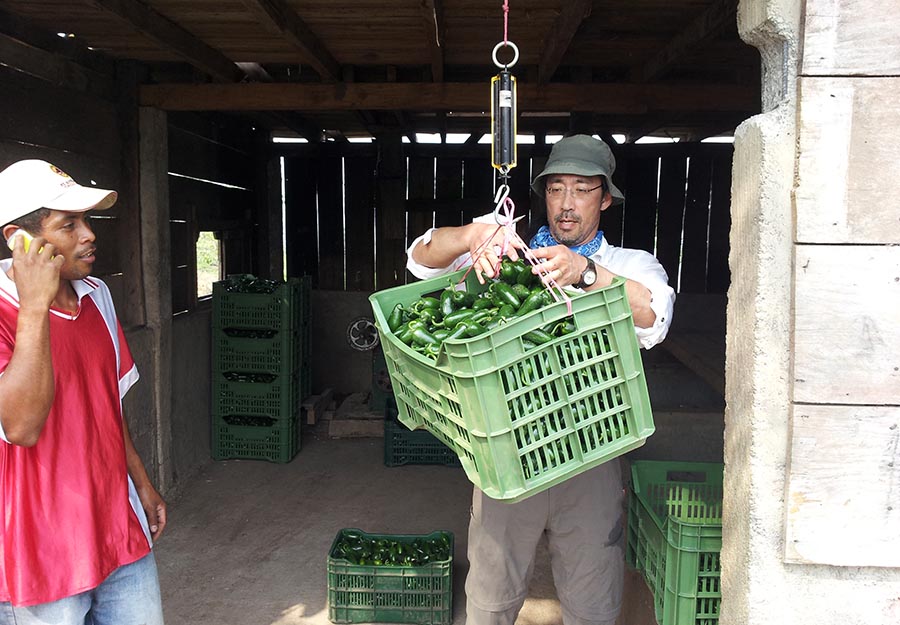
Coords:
pixel 31 184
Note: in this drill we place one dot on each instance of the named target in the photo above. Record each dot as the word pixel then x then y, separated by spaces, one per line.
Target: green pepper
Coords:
pixel 503 294
pixel 521 291
pixel 441 334
pixel 447 305
pixel 425 302
pixel 538 336
pixel 453 319
pixel 531 303
pixel 462 299
pixel 423 337
pixel 395 320
pixel 472 328
pixel 508 271
pixel 506 311
pixel 404 332
pixel 526 277
pixel 482 302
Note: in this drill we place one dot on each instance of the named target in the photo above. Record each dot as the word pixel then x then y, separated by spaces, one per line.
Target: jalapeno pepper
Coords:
pixel 521 291
pixel 538 336
pixel 447 305
pixel 503 294
pixel 395 320
pixel 482 303
pixel 453 319
pixel 508 271
pixel 531 303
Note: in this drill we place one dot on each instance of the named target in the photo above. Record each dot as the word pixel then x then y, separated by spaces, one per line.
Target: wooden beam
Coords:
pixel 281 19
pixel 559 38
pixel 171 36
pixel 606 98
pixel 433 17
pixel 54 69
pixel 703 26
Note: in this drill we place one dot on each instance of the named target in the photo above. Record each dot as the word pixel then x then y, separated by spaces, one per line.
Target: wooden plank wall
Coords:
pixel 678 200
pixel 843 504
pixel 211 187
pixel 89 138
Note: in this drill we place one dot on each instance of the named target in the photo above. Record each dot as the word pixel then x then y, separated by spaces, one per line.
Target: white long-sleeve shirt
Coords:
pixel 636 265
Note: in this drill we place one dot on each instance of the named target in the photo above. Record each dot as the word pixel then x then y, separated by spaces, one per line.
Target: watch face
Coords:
pixel 589 277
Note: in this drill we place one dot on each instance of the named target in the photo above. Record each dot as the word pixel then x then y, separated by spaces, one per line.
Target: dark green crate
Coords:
pixel 280 310
pixel 279 399
pixel 674 538
pixel 359 593
pixel 279 355
pixel 402 446
pixel 276 443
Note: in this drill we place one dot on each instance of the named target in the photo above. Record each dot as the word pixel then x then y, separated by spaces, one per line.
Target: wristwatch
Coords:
pixel 588 276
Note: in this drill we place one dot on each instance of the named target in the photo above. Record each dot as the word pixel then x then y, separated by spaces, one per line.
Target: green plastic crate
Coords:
pixel 674 538
pixel 364 593
pixel 402 446
pixel 278 355
pixel 281 310
pixel 520 421
pixel 279 399
pixel 276 443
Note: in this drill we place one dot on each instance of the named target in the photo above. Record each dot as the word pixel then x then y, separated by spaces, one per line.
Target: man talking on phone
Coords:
pixel 79 512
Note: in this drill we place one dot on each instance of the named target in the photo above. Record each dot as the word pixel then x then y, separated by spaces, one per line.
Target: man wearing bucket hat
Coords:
pixel 79 510
pixel 582 516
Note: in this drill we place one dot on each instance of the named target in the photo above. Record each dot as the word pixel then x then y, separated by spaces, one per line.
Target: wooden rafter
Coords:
pixel 559 38
pixel 606 98
pixel 173 37
pixel 703 26
pixel 433 17
pixel 280 18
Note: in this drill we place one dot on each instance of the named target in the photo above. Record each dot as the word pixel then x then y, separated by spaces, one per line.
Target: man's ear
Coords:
pixel 8 230
pixel 606 202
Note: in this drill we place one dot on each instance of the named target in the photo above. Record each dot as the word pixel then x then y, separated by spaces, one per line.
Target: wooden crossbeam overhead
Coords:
pixel 281 19
pixel 173 37
pixel 707 23
pixel 624 98
pixel 433 17
pixel 559 38
pixel 54 68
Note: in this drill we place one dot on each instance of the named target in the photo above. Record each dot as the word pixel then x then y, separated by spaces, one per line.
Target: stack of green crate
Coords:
pixel 674 538
pixel 260 367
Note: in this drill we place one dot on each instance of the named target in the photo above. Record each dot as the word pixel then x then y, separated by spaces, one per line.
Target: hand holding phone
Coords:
pixel 26 239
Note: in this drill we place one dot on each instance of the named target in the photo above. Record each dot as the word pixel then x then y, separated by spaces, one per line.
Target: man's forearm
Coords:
pixel 26 387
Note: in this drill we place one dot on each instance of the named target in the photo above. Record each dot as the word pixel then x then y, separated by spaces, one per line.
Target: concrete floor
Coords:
pixel 247 541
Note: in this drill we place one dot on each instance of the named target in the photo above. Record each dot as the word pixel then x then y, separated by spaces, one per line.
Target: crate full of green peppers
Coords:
pixel 525 391
pixel 390 578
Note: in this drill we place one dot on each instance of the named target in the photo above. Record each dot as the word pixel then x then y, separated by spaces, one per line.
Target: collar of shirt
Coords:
pixel 9 292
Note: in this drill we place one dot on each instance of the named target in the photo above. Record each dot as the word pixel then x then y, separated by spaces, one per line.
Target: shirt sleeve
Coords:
pixel 128 373
pixel 423 272
pixel 644 268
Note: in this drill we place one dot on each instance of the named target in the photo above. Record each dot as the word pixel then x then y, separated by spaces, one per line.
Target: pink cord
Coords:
pixel 510 236
pixel 505 20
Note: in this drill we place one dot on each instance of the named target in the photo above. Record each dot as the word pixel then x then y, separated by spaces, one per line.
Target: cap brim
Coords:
pixel 77 199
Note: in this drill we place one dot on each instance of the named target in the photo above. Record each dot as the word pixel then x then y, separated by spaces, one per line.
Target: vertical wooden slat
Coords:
pixel 696 226
pixel 537 207
pixel 420 186
pixel 300 218
pixel 670 214
pixel 329 187
pixel 640 204
pixel 359 188
pixel 390 249
pixel 448 186
pixel 718 275
pixel 478 187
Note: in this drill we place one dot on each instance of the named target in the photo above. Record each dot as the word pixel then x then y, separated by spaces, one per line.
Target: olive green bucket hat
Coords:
pixel 580 155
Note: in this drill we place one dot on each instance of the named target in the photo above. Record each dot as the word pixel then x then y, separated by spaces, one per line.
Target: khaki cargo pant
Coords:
pixel 583 519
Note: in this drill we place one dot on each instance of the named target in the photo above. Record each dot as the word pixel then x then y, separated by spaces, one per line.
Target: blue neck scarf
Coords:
pixel 543 238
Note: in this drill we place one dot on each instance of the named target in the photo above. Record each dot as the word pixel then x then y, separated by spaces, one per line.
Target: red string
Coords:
pixel 505 21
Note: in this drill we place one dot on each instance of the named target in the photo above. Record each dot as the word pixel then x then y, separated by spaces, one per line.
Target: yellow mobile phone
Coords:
pixel 26 239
